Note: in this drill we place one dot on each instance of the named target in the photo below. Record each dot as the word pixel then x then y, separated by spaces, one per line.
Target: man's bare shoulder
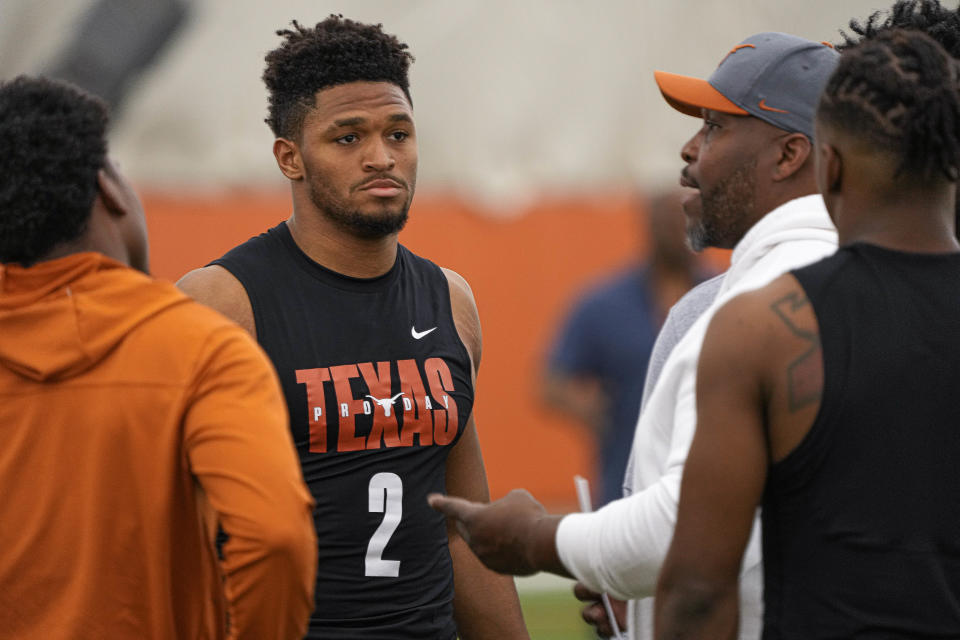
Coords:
pixel 219 289
pixel 465 314
pixel 772 332
pixel 749 330
pixel 750 311
pixel 459 287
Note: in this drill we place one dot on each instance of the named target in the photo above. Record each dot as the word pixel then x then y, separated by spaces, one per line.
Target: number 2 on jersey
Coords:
pixel 386 497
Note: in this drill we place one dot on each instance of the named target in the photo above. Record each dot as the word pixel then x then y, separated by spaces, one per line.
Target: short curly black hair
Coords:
pixel 929 16
pixel 898 92
pixel 53 137
pixel 336 51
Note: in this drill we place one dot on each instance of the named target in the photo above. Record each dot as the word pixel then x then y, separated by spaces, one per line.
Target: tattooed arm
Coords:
pixel 759 382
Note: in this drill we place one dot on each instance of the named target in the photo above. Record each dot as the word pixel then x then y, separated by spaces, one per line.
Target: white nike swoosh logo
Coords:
pixel 419 334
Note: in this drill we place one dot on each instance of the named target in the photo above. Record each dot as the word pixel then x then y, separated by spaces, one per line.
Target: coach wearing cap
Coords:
pixel 753 190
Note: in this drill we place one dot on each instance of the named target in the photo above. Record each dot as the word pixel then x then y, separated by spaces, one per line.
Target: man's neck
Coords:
pixel 100 236
pixel 788 193
pixel 331 246
pixel 920 221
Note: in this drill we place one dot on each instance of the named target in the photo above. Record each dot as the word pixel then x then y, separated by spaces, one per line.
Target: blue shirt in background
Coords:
pixel 608 336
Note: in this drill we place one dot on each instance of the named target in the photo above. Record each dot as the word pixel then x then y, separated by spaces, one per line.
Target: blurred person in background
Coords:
pixel 680 318
pixel 377 349
pixel 133 418
pixel 753 189
pixel 827 397
pixel 596 367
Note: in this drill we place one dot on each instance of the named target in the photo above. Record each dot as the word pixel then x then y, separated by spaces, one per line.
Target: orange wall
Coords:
pixel 525 271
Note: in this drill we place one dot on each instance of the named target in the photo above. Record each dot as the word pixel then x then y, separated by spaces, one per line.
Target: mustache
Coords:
pixel 381 176
pixel 685 178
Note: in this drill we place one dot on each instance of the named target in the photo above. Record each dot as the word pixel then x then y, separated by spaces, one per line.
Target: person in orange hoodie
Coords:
pixel 132 419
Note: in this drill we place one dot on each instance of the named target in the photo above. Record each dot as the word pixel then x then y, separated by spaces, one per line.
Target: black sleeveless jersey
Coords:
pixel 378 386
pixel 861 522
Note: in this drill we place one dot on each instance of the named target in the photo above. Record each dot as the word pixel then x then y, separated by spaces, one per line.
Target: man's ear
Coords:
pixel 288 158
pixel 795 150
pixel 111 193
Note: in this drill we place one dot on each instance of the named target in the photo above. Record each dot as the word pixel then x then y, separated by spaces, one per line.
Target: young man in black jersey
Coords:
pixel 377 349
pixel 827 397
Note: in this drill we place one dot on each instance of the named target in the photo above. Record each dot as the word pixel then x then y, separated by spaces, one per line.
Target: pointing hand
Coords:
pixel 513 535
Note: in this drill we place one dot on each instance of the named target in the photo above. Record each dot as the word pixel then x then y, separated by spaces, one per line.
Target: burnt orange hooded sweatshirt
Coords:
pixel 132 420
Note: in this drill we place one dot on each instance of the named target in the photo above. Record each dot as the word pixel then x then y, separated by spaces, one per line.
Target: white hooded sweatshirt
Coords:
pixel 620 548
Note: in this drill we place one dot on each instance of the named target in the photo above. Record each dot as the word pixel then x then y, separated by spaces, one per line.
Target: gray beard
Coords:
pixel 728 211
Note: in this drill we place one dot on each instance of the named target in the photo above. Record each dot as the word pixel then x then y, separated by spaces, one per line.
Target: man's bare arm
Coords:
pixel 759 384
pixel 723 480
pixel 218 289
pixel 485 604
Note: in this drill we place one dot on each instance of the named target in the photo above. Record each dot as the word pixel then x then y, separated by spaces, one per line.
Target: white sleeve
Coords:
pixel 620 548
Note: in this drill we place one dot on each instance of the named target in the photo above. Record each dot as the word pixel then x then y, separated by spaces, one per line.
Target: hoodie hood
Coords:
pixel 61 317
pixel 803 219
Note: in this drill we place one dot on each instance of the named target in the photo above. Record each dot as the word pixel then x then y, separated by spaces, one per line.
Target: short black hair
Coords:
pixel 929 16
pixel 335 51
pixel 53 137
pixel 898 92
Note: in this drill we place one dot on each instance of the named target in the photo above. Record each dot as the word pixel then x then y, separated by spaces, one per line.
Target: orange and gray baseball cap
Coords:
pixel 772 76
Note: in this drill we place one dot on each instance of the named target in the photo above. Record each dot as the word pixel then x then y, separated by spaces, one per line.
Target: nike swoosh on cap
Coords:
pixel 763 105
pixel 419 334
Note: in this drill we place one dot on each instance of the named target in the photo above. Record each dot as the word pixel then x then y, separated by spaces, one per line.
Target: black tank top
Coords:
pixel 861 522
pixel 378 386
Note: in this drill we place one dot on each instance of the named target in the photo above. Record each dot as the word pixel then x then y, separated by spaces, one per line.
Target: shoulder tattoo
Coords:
pixel 805 372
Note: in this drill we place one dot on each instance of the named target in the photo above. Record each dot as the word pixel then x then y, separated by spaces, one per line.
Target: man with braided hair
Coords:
pixel 811 402
pixel 930 16
pixel 377 349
